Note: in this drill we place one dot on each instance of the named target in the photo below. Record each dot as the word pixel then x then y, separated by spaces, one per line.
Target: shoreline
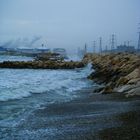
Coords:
pixel 89 116
pixel 117 72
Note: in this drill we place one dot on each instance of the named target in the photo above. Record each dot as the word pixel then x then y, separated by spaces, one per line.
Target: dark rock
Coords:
pixel 42 65
pixel 114 69
pixel 107 90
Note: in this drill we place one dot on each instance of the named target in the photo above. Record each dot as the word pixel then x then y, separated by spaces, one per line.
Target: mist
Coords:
pixel 69 24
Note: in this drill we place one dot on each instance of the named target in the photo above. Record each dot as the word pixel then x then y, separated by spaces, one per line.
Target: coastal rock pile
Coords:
pixel 118 72
pixel 41 64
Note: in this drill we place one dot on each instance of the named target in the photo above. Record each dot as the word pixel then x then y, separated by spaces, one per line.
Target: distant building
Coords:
pixel 22 51
pixel 61 51
pixel 125 48
pixel 33 51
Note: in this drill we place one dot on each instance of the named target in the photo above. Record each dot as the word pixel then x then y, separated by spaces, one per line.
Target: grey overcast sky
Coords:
pixel 70 23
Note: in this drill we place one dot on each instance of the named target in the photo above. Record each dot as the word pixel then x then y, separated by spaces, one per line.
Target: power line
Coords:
pixel 112 42
pixel 139 42
pixel 100 44
pixel 106 48
pixel 85 48
pixel 94 46
pixel 139 39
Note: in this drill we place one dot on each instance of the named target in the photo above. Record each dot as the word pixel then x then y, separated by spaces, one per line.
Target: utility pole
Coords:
pixel 78 51
pixel 85 48
pixel 100 44
pixel 94 46
pixel 124 43
pixel 106 48
pixel 129 43
pixel 112 42
pixel 139 42
pixel 139 39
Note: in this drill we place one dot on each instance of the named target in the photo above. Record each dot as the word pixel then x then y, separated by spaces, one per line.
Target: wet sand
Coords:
pixel 91 116
pixel 129 130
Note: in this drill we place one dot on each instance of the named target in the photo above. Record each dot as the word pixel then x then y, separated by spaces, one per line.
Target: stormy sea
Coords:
pixel 56 105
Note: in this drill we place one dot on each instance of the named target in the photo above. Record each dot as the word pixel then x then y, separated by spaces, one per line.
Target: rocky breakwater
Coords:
pixel 117 72
pixel 41 64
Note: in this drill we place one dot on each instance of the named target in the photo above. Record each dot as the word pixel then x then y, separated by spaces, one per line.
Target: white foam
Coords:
pixel 16 84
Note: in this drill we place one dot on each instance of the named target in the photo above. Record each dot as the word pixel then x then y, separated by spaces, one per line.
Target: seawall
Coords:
pixel 117 72
pixel 41 64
